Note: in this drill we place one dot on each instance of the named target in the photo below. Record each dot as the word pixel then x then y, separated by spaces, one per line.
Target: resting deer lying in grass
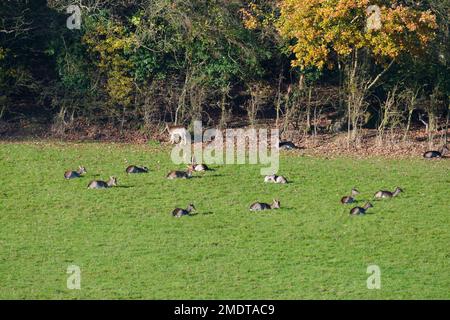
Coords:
pixel 281 179
pixel 98 184
pixel 350 199
pixel 287 145
pixel 194 166
pixel 436 154
pixel 382 194
pixel 275 179
pixel 178 212
pixel 258 206
pixel 180 174
pixel 136 169
pixel 75 174
pixel 361 210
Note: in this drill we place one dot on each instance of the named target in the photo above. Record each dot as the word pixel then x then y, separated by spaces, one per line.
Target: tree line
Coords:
pixel 310 65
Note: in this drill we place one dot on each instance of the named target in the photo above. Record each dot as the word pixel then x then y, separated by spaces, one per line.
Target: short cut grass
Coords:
pixel 128 246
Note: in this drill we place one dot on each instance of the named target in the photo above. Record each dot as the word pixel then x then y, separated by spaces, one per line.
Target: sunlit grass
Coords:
pixel 128 246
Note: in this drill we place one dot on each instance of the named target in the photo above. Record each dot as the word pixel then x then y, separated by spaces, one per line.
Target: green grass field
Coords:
pixel 129 247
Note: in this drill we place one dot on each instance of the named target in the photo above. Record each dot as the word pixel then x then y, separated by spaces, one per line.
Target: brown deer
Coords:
pixel 436 154
pixel 136 169
pixel 177 131
pixel 178 212
pixel 75 174
pixel 361 210
pixel 350 199
pixel 382 194
pixel 180 174
pixel 194 166
pixel 258 206
pixel 98 184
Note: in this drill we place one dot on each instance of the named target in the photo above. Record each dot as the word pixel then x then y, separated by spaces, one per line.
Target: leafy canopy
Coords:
pixel 320 30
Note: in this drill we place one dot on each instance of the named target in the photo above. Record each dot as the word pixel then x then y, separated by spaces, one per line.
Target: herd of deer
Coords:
pixel 382 194
pixel 257 206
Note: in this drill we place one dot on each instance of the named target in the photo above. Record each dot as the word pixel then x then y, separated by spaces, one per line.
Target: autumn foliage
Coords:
pixel 348 64
pixel 321 29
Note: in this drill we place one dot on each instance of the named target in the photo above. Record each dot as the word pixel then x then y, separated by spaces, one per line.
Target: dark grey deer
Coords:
pixel 99 184
pixel 178 212
pixel 361 210
pixel 258 206
pixel 75 174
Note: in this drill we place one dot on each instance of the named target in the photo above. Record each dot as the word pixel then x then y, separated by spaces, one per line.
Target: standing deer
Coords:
pixel 177 131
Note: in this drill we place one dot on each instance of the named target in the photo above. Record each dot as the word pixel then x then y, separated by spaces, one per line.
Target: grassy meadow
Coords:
pixel 128 246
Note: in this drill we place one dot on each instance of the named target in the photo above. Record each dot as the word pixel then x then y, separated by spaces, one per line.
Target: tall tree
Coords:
pixel 338 33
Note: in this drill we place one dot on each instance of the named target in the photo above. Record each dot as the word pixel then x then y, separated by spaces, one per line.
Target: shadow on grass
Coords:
pixel 214 175
pixel 284 208
pixel 200 213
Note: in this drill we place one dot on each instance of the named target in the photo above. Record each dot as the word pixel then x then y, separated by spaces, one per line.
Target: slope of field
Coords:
pixel 128 246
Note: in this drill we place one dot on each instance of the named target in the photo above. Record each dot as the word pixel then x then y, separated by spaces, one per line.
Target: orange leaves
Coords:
pixel 259 16
pixel 405 30
pixel 249 16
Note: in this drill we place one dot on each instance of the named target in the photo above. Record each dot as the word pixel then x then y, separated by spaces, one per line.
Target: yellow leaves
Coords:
pixel 3 53
pixel 249 20
pixel 256 17
pixel 111 42
pixel 120 87
pixel 136 21
pixel 110 39
pixel 404 30
pixel 320 27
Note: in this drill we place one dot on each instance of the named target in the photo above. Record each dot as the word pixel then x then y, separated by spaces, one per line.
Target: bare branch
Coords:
pixel 380 75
